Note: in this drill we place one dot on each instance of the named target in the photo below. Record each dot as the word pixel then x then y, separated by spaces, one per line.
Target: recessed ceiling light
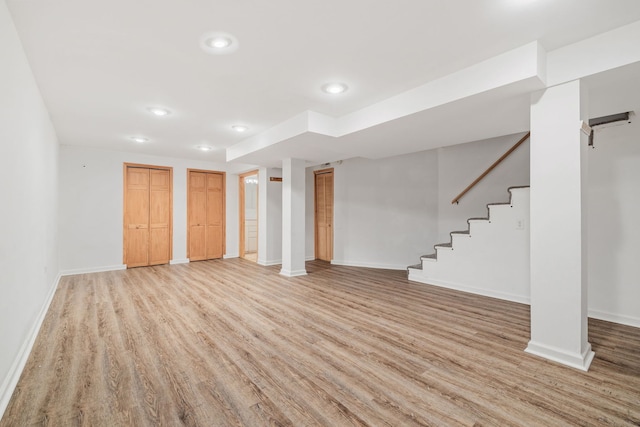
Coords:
pixel 240 128
pixel 160 112
pixel 139 139
pixel 219 43
pixel 204 148
pixel 335 88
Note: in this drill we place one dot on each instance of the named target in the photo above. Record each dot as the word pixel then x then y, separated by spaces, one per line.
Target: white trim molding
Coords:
pixel 86 270
pixel 11 380
pixel 279 261
pixel 269 263
pixel 580 361
pixel 416 277
pixel 615 318
pixel 365 264
pixel 293 273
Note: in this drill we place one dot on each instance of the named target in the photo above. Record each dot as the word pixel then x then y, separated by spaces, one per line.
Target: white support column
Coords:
pixel 558 226
pixel 269 217
pixel 293 218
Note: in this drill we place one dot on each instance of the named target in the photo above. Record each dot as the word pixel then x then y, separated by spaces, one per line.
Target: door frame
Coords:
pixel 126 165
pixel 241 206
pixel 224 207
pixel 315 209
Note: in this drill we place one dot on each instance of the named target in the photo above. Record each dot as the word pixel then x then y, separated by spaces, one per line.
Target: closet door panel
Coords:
pixel 137 217
pixel 324 215
pixel 215 215
pixel 160 217
pixel 197 215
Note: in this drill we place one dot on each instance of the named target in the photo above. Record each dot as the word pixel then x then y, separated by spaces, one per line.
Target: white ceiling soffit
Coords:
pixel 411 115
pixel 488 99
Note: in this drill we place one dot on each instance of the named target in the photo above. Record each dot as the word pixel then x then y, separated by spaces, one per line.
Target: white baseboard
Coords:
pixel 269 263
pixel 227 256
pixel 11 380
pixel 615 318
pixel 417 277
pixel 368 264
pixel 580 361
pixel 93 269
pixel 179 261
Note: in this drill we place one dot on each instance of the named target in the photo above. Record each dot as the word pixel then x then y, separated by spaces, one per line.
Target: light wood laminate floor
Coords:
pixel 231 343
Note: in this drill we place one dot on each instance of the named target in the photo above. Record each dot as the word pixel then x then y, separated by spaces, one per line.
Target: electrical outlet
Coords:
pixel 520 224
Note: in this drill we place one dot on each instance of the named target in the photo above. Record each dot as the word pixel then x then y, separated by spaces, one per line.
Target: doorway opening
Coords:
pixel 249 216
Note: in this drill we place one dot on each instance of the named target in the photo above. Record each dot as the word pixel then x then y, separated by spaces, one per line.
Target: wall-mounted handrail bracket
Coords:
pixel 606 121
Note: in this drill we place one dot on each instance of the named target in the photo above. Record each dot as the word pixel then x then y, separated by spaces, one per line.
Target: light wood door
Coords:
pixel 197 216
pixel 159 217
pixel 215 215
pixel 136 217
pixel 324 214
pixel 147 216
pixel 206 202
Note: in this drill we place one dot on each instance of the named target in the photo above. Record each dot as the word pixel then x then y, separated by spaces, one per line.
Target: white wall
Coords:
pixel 614 224
pixel 269 217
pixel 460 165
pixel 29 210
pixel 91 197
pixel 385 210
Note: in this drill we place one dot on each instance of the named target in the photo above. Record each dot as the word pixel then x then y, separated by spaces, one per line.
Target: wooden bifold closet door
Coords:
pixel 206 205
pixel 324 214
pixel 147 215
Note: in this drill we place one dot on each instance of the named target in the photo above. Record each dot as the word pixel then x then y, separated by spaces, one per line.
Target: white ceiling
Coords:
pixel 101 64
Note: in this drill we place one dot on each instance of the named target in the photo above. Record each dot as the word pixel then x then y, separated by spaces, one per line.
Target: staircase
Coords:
pixel 490 257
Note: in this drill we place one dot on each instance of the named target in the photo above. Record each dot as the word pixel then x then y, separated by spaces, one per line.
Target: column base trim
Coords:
pixel 580 361
pixel 293 273
pixel 269 263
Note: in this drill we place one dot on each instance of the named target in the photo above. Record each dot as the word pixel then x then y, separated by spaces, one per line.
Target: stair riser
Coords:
pixel 460 240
